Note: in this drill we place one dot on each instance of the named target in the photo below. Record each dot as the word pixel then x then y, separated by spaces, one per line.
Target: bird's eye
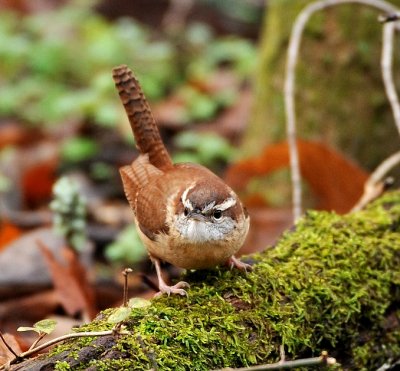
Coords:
pixel 186 211
pixel 217 214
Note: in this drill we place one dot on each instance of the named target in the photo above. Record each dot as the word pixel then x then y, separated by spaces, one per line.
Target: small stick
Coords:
pixel 387 70
pixel 373 187
pixel 40 337
pixel 282 353
pixel 126 272
pixel 322 360
pixel 8 345
pixel 57 340
pixel 390 17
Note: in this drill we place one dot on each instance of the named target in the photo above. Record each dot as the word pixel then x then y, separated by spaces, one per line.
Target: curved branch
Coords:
pixel 387 70
pixel 289 85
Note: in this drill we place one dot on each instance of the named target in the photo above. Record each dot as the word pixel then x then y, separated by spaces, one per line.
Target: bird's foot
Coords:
pixel 176 289
pixel 233 262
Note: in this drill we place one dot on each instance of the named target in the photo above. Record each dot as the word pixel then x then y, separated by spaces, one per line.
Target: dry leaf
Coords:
pixel 37 182
pixel 8 233
pixel 5 354
pixel 70 280
pixel 336 181
pixel 30 308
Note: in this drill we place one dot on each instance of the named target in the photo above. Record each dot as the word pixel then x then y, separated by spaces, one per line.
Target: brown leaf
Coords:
pixel 30 308
pixel 336 182
pixel 70 280
pixel 5 354
pixel 8 233
pixel 38 180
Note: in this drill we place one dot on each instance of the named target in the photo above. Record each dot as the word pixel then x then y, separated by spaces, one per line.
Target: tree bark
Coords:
pixel 331 283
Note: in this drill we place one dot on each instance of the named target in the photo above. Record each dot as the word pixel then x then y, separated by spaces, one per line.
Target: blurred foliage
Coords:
pixel 203 148
pixel 55 66
pixel 127 248
pixel 6 157
pixel 69 209
pixel 245 11
pixel 77 149
pixel 5 183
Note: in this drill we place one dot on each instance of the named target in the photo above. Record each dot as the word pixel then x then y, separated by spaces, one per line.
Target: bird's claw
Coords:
pixel 176 289
pixel 233 262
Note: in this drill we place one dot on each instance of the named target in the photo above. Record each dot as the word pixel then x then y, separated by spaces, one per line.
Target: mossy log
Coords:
pixel 331 283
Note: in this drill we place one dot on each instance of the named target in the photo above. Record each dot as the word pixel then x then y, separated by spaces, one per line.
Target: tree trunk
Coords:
pixel 331 283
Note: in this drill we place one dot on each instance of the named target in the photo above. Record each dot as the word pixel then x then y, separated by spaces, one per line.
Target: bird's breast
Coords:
pixel 200 252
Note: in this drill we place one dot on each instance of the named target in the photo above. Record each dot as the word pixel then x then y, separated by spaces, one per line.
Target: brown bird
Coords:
pixel 185 214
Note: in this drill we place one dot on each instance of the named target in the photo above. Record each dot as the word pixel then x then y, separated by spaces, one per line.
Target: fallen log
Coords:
pixel 331 283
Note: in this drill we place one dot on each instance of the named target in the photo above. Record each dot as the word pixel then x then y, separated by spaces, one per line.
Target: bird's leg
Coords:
pixel 235 262
pixel 164 288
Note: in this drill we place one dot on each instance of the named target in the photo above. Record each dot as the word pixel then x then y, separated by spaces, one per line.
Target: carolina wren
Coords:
pixel 185 214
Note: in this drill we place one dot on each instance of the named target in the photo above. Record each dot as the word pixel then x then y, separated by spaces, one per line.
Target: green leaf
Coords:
pixel 46 325
pixel 120 314
pixel 23 329
pixel 138 303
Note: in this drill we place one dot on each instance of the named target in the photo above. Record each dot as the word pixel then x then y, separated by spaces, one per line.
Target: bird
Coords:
pixel 185 214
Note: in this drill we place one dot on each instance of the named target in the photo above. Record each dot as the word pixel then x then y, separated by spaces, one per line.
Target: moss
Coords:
pixel 332 283
pixel 62 366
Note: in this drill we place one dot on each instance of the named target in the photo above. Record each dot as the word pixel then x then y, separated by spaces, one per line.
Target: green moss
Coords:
pixel 332 283
pixel 62 366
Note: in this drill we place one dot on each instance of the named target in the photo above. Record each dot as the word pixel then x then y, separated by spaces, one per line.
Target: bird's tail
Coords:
pixel 144 127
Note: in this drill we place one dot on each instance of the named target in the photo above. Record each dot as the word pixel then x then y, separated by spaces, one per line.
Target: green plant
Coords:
pixel 69 208
pixel 78 149
pixel 203 148
pixel 62 72
pixel 127 248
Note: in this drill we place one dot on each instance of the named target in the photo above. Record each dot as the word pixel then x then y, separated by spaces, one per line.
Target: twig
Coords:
pixel 387 70
pixel 126 272
pixel 289 86
pixel 282 353
pixel 65 337
pixel 8 345
pixel 373 187
pixel 40 337
pixel 390 17
pixel 315 361
pixel 57 340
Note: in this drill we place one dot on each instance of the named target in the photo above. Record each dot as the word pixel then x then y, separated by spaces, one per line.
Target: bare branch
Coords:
pixel 323 359
pixel 125 273
pixel 57 340
pixel 8 345
pixel 387 70
pixel 289 86
pixel 374 186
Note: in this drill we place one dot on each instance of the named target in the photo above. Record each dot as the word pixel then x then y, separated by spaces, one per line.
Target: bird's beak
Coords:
pixel 194 215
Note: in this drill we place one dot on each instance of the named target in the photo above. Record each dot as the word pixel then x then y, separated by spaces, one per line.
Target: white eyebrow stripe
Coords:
pixel 184 199
pixel 226 204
